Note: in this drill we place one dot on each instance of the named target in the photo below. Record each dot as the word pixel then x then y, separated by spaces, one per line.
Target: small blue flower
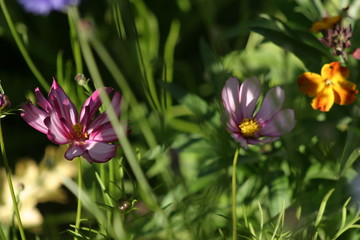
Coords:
pixel 44 7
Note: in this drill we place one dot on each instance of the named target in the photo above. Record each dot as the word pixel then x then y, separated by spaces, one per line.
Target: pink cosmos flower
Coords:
pixel 248 126
pixel 88 136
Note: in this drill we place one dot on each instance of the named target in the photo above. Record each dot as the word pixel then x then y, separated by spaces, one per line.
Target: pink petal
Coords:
pixel 282 123
pixel 42 101
pixel 103 117
pixel 103 133
pixel 230 95
pixel 233 125
pixel 99 151
pixel 92 105
pixel 239 138
pixel 62 104
pixel 356 53
pixel 76 149
pixel 34 117
pixel 59 131
pixel 273 102
pixel 116 103
pixel 249 94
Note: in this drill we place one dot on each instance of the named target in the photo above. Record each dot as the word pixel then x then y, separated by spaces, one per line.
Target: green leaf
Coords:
pixel 304 45
pixel 323 206
pixel 351 150
pixel 193 102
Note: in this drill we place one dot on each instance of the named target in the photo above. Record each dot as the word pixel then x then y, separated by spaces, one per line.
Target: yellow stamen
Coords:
pixel 249 127
pixel 78 129
pixel 328 82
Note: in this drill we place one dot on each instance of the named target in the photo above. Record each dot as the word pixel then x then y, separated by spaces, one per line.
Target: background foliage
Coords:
pixel 171 59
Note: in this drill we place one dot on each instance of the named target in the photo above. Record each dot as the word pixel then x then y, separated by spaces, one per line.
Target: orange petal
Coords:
pixel 325 23
pixel 324 100
pixel 335 72
pixel 345 92
pixel 310 83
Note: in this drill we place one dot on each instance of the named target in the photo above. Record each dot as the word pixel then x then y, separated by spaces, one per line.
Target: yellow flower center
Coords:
pixel 328 82
pixel 78 129
pixel 248 127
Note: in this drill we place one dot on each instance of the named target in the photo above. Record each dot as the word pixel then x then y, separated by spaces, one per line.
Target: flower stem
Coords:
pixel 151 199
pixel 233 195
pixel 22 48
pixel 12 192
pixel 78 211
pixel 2 235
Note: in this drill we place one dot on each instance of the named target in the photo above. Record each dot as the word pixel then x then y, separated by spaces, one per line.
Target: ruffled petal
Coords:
pixel 99 151
pixel 34 117
pixel 92 105
pixel 345 92
pixel 42 101
pixel 249 94
pixel 311 83
pixel 324 100
pixel 62 104
pixel 103 133
pixel 273 102
pixel 116 103
pixel 59 130
pixel 335 72
pixel 103 117
pixel 76 149
pixel 282 123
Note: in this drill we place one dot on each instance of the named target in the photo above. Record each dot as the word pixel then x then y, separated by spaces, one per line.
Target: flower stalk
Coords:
pixel 78 210
pixel 12 192
pixel 233 195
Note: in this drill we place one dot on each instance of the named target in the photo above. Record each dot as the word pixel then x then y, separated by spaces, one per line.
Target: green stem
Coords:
pixel 126 90
pixel 120 131
pixel 22 48
pixel 75 45
pixel 233 195
pixel 12 192
pixel 78 211
pixel 2 235
pixel 111 186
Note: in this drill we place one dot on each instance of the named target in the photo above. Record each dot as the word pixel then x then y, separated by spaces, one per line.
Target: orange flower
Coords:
pixel 332 86
pixel 325 23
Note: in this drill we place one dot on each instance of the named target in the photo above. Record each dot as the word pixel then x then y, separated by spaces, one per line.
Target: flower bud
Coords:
pixel 4 102
pixel 81 79
pixel 124 205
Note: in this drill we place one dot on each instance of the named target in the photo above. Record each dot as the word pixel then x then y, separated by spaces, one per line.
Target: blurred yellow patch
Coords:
pixel 325 23
pixel 35 183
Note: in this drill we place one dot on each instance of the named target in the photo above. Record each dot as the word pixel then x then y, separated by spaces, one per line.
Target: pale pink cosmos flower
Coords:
pixel 248 126
pixel 88 135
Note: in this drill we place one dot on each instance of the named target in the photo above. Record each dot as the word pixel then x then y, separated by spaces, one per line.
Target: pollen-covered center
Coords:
pixel 248 127
pixel 328 82
pixel 78 129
